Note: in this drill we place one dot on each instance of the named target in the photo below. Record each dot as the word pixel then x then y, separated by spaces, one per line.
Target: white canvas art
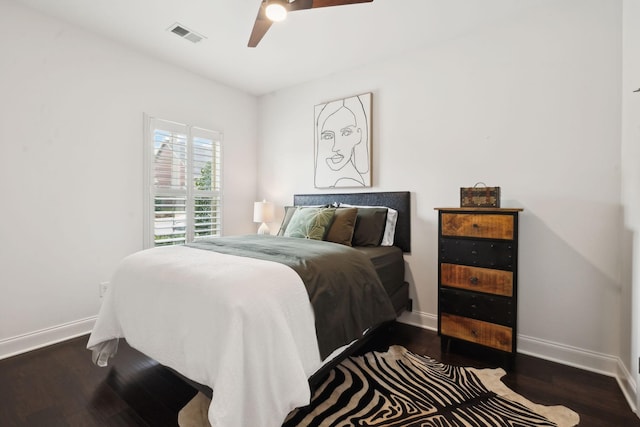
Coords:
pixel 343 143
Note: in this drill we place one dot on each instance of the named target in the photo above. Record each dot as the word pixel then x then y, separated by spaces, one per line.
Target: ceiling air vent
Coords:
pixel 185 33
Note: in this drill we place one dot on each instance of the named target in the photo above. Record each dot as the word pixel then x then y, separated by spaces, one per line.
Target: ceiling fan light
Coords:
pixel 276 11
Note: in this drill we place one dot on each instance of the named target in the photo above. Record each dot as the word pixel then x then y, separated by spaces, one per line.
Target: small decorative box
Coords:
pixel 480 196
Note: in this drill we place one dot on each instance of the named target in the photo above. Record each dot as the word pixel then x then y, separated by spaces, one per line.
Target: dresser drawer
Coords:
pixel 494 309
pixel 479 253
pixel 486 226
pixel 477 331
pixel 498 282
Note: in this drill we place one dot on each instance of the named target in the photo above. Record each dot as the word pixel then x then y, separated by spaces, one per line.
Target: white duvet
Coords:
pixel 242 326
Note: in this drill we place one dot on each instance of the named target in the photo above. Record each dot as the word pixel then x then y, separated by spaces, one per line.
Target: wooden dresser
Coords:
pixel 477 276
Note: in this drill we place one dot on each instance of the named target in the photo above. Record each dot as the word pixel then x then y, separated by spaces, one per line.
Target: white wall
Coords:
pixel 532 105
pixel 631 194
pixel 71 129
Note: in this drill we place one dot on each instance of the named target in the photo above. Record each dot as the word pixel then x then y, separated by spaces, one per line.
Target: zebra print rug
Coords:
pixel 400 389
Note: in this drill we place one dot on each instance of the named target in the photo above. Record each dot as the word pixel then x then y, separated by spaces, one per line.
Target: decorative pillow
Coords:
pixel 288 213
pixel 369 229
pixel 310 223
pixel 390 226
pixel 341 229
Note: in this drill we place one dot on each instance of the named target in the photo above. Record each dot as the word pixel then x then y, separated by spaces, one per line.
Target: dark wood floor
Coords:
pixel 59 386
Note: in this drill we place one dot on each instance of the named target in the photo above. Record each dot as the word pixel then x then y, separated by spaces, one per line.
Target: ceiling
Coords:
pixel 310 44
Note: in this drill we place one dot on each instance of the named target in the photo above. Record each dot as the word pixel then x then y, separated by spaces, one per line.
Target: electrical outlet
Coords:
pixel 102 288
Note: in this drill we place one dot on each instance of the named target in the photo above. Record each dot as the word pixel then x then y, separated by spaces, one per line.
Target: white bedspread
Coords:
pixel 242 326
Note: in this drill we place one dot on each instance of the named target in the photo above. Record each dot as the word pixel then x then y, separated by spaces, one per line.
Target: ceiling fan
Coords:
pixel 276 10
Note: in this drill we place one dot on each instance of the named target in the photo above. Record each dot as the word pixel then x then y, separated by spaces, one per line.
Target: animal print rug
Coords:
pixel 400 389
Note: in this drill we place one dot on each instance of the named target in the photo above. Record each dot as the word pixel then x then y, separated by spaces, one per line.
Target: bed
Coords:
pixel 259 318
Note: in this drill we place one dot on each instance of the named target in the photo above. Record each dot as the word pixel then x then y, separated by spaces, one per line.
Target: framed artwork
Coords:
pixel 342 151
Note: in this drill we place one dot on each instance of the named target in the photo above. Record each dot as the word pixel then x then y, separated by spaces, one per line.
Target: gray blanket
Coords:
pixel 344 289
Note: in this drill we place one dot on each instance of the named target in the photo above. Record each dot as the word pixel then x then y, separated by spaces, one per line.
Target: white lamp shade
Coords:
pixel 263 211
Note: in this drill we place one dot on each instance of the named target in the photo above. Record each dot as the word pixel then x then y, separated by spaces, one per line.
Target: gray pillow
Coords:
pixel 341 229
pixel 310 223
pixel 369 229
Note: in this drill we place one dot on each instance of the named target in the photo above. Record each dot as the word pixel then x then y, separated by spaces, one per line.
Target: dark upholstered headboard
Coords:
pixel 398 200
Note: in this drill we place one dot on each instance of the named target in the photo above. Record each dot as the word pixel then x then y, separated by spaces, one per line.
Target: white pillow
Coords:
pixel 389 227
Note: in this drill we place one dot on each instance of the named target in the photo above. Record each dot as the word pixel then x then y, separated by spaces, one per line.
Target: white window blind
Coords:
pixel 183 181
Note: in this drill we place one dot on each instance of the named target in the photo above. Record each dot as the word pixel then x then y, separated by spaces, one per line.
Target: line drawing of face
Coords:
pixel 340 130
pixel 342 143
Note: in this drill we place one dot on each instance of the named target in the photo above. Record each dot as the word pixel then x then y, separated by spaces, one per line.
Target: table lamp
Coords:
pixel 263 212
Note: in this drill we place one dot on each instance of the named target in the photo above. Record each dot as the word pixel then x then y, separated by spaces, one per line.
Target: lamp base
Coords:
pixel 264 229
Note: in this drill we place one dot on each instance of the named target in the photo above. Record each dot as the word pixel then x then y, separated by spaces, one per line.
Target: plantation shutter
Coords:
pixel 206 161
pixel 183 181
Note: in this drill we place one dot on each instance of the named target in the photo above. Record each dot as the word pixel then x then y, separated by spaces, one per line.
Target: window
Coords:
pixel 182 181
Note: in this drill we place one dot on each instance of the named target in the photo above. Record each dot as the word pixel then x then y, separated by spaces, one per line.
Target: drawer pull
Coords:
pixel 474 333
pixel 474 252
pixel 476 226
pixel 473 280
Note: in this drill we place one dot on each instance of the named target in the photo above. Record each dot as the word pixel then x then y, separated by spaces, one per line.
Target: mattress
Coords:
pixel 388 263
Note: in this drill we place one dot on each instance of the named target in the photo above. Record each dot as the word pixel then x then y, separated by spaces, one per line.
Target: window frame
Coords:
pixel 189 193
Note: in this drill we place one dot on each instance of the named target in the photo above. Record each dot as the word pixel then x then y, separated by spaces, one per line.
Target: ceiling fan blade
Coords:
pixel 262 24
pixel 260 28
pixel 312 4
pixel 327 3
pixel 300 5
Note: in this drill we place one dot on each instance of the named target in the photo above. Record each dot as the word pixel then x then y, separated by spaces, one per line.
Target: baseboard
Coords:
pixel 628 386
pixel 600 363
pixel 419 319
pixel 568 355
pixel 44 337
